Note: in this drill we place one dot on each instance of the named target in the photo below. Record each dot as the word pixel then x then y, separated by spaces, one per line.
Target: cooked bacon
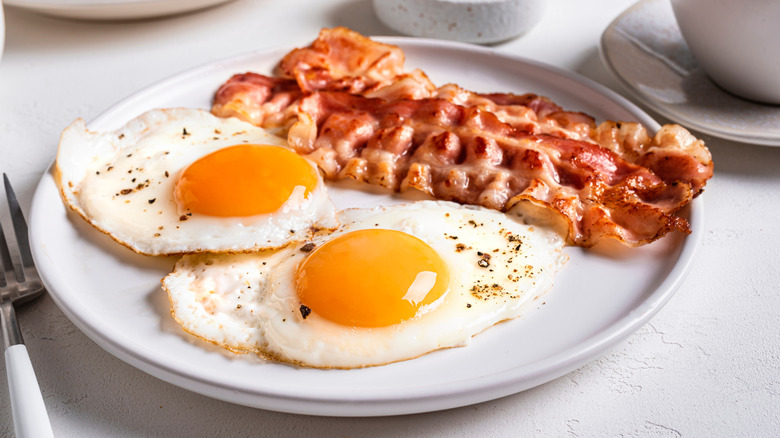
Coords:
pixel 414 85
pixel 501 151
pixel 343 60
pixel 258 99
pixel 468 155
pixel 529 112
pixel 673 153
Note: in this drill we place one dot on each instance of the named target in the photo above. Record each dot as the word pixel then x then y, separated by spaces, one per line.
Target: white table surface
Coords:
pixel 707 365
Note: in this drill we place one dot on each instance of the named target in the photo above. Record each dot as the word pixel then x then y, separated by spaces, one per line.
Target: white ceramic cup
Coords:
pixel 736 42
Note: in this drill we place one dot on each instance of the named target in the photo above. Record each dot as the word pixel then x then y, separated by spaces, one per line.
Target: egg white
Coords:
pixel 122 182
pixel 248 303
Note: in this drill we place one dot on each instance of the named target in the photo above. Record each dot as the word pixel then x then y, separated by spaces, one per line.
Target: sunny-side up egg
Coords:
pixel 392 283
pixel 176 181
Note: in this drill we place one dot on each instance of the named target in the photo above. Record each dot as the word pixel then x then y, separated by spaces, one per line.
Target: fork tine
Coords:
pixel 20 226
pixel 6 263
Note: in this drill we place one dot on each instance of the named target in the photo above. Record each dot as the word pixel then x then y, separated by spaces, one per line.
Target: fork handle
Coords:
pixel 29 411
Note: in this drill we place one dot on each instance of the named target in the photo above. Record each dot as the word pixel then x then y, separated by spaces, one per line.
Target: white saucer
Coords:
pixel 644 48
pixel 111 9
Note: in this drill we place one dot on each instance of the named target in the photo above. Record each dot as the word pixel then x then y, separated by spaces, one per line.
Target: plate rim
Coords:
pixel 497 386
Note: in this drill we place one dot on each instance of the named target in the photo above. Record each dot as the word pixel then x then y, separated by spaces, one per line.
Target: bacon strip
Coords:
pixel 497 150
pixel 343 60
pixel 258 99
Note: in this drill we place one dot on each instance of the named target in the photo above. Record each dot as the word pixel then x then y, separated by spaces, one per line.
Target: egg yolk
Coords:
pixel 243 180
pixel 371 278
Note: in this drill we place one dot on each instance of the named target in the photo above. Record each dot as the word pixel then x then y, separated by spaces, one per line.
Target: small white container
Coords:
pixel 473 21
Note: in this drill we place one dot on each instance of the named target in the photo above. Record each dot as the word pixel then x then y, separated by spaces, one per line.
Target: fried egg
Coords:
pixel 175 181
pixel 391 284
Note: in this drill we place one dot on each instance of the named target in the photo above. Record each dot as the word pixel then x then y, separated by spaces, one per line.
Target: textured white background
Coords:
pixel 707 365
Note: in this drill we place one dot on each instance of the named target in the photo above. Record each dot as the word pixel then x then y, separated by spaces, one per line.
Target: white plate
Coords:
pixel 599 298
pixel 644 48
pixel 112 9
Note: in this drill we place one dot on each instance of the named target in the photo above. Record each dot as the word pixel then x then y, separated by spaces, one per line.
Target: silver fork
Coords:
pixel 19 283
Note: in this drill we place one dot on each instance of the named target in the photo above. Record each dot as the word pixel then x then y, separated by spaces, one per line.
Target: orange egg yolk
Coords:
pixel 371 278
pixel 243 180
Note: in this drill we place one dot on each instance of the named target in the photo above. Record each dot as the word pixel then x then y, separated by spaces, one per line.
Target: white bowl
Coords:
pixel 472 21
